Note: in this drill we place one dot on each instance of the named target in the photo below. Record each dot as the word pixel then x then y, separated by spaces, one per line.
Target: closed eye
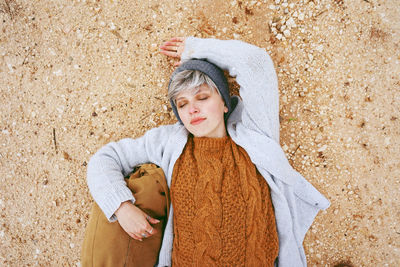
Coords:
pixel 181 105
pixel 202 96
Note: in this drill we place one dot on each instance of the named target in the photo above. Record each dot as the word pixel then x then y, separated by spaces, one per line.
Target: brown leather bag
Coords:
pixel 107 244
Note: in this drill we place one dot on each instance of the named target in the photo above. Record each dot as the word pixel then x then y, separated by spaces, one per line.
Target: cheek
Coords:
pixel 184 116
pixel 217 108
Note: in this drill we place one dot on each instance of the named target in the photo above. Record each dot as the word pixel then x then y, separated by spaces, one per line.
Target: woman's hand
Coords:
pixel 134 221
pixel 174 48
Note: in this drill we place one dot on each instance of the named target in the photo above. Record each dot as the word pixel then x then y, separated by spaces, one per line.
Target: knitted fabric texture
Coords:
pixel 223 211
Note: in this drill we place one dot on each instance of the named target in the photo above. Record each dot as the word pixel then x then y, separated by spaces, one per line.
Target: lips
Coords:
pixel 197 121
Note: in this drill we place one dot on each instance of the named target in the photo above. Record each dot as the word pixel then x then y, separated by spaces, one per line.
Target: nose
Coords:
pixel 193 108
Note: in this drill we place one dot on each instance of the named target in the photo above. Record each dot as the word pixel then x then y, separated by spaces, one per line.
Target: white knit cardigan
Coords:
pixel 253 125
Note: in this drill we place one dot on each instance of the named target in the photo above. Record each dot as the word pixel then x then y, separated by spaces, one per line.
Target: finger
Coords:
pixel 136 237
pixel 150 230
pixel 169 47
pixel 177 64
pixel 152 220
pixel 171 43
pixel 179 39
pixel 169 53
pixel 144 235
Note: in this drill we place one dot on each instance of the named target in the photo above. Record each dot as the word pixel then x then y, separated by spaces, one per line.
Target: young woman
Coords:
pixel 236 201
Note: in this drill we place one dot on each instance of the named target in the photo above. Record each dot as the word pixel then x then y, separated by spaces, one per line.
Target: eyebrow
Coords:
pixel 201 90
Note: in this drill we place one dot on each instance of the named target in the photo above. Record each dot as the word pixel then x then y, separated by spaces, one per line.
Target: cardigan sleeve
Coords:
pixel 254 72
pixel 108 167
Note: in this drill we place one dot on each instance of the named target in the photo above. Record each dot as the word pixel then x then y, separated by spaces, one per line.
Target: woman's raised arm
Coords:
pixel 254 72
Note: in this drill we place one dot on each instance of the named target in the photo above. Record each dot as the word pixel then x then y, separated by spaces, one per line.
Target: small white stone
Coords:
pixel 319 48
pixel 76 66
pixel 387 141
pixel 279 36
pixel 58 72
pixel 301 16
pixel 52 52
pixel 10 68
pixel 290 23
pixel 79 35
pixel 321 149
pixel 286 33
pixel 7 133
pixel 112 26
pixel 71 245
pixel 277 1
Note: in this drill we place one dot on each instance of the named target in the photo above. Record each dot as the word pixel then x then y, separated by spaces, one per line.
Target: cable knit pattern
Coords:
pixel 223 211
pixel 253 125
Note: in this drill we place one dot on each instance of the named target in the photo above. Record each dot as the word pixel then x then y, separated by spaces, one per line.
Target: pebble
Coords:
pixel 319 48
pixel 286 33
pixel 301 16
pixel 321 149
pixel 290 23
pixel 58 72
pixel 387 141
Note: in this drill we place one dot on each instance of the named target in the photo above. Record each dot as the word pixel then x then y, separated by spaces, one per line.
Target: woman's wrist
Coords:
pixel 122 207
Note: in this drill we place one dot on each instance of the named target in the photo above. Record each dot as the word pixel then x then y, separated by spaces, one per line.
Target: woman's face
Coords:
pixel 202 113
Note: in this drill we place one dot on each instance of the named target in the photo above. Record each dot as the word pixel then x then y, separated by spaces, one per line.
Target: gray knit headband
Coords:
pixel 212 71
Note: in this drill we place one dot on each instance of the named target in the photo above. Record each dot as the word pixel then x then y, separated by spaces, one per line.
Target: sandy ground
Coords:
pixel 75 75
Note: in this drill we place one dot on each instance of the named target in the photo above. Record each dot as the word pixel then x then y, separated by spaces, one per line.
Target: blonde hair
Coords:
pixel 189 80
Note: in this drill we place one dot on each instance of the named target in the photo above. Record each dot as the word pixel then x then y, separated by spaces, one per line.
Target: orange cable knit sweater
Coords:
pixel 223 215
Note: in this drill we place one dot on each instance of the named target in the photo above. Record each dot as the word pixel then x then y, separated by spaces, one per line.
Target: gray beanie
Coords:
pixel 215 74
